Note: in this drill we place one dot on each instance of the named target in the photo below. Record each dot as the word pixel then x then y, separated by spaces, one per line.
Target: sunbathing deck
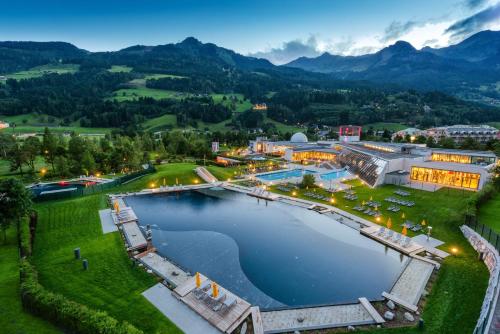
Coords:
pixel 126 215
pixel 107 222
pixel 226 320
pixel 290 320
pixel 164 268
pixel 205 175
pixel 372 232
pixel 181 315
pixel 412 282
pixel 133 235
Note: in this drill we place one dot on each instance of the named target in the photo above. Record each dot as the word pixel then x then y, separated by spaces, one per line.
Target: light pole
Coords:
pixel 429 229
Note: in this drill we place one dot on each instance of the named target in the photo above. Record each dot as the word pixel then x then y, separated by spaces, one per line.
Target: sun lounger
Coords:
pixel 389 234
pixel 396 237
pixel 230 301
pixel 381 231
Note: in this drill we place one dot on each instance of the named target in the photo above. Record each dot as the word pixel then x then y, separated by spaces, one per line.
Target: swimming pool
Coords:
pixel 272 255
pixel 62 186
pixel 335 175
pixel 286 174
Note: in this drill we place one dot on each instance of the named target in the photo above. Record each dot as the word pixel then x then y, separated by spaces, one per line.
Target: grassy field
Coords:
pixel 120 68
pixel 13 318
pixel 489 213
pixel 160 76
pixel 385 126
pixel 240 107
pixel 39 71
pixel 135 93
pixel 283 127
pixel 34 123
pixel 495 124
pixel 160 122
pixel 454 303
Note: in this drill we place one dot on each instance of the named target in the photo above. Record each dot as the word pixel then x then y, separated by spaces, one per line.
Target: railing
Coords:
pixel 485 231
pixel 489 254
pixel 95 189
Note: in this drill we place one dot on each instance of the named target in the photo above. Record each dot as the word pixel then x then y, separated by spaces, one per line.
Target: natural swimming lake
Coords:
pixel 271 255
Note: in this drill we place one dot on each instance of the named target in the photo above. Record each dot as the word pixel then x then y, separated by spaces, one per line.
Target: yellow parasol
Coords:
pixel 423 222
pixel 197 279
pixel 404 231
pixel 389 223
pixel 215 290
pixel 403 216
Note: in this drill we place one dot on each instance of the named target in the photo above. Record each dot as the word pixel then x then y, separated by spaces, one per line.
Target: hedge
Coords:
pixel 73 317
pixel 481 197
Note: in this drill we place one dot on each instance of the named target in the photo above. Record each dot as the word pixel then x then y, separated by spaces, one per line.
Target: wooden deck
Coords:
pixel 133 235
pixel 224 320
pixel 373 312
pixel 372 232
pixel 399 301
pixel 163 268
pixel 258 327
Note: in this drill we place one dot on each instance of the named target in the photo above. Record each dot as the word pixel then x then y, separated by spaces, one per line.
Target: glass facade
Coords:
pixel 445 177
pixel 462 159
pixel 313 155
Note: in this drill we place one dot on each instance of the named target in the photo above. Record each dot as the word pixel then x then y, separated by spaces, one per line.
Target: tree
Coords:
pixel 31 148
pixel 15 203
pixel 88 162
pixel 16 157
pixel 308 180
pixel 49 147
pixel 430 142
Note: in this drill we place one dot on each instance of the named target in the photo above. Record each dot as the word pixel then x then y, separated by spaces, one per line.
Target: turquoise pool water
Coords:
pixel 335 175
pixel 271 254
pixel 287 174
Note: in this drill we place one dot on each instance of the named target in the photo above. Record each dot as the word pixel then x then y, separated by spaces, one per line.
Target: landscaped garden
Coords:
pixel 453 304
pixel 114 285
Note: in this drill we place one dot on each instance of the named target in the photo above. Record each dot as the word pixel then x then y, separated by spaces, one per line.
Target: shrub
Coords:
pixel 308 181
pixel 73 317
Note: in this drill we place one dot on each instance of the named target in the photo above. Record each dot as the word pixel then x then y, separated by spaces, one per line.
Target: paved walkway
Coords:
pixel 180 314
pixel 107 223
pixel 412 282
pixel 315 318
pixel 164 268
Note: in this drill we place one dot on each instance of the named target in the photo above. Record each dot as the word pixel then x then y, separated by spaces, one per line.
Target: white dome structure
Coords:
pixel 299 137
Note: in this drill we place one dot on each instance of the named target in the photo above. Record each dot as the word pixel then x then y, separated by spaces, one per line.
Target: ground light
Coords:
pixel 378 219
pixel 43 171
pixel 152 185
pixel 196 181
pixel 454 251
pixel 294 193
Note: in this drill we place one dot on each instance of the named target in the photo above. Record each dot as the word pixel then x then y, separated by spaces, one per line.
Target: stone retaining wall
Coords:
pixel 491 258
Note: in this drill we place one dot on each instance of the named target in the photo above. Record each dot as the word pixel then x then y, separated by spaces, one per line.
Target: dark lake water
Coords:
pixel 271 255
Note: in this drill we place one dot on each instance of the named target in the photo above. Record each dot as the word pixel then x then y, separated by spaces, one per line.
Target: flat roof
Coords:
pixel 380 154
pixel 464 152
pixel 316 149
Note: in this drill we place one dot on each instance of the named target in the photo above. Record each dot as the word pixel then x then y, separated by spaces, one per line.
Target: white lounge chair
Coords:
pixel 381 231
pixel 389 235
pixel 396 238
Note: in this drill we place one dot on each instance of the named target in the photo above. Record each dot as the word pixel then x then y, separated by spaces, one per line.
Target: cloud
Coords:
pixel 397 29
pixel 290 50
pixel 488 18
pixel 473 4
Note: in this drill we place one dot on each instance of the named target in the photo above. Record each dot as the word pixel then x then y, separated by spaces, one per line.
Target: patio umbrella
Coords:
pixel 215 290
pixel 423 222
pixel 405 231
pixel 389 223
pixel 197 280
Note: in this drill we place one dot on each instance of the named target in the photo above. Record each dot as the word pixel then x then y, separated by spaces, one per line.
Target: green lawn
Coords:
pixel 455 300
pixel 283 128
pixel 34 123
pixel 120 68
pixel 39 71
pixel 160 76
pixel 13 318
pixel 489 213
pixel 385 126
pixel 240 107
pixel 131 94
pixel 161 122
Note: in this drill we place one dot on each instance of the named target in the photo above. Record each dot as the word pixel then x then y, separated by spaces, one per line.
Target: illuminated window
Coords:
pixel 445 177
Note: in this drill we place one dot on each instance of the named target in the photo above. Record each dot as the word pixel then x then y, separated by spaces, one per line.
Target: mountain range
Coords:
pixel 470 69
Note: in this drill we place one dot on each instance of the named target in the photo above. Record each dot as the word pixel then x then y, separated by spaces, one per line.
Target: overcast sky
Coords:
pixel 277 30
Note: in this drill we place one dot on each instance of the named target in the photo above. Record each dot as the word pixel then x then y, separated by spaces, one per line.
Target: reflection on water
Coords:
pixel 271 255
